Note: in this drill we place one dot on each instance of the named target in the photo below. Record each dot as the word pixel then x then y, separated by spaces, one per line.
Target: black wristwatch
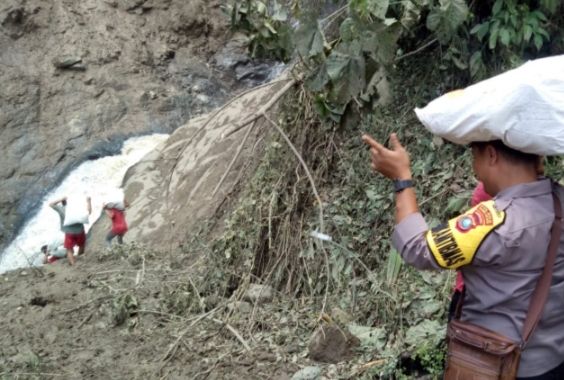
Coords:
pixel 401 184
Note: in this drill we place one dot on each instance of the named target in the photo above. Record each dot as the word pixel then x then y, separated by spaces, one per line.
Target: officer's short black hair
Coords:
pixel 510 154
pixel 44 249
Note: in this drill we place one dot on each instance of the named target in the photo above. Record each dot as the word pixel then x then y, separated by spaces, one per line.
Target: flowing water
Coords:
pixel 97 179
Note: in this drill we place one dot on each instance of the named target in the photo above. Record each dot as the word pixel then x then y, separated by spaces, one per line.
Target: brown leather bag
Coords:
pixel 476 353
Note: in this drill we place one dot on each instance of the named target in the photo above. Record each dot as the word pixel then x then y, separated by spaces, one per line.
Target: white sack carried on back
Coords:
pixel 523 107
pixel 76 210
pixel 115 199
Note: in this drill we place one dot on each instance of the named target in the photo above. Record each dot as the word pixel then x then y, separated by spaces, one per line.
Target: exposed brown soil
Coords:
pixel 130 314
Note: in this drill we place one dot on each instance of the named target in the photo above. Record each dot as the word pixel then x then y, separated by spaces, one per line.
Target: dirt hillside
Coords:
pixel 126 314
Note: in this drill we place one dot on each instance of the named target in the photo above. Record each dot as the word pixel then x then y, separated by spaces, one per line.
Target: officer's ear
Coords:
pixel 492 155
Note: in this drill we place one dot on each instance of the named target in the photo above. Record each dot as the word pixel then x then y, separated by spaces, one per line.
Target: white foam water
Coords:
pixel 97 179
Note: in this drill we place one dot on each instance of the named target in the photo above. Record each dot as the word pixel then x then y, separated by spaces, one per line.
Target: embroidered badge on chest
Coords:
pixel 454 244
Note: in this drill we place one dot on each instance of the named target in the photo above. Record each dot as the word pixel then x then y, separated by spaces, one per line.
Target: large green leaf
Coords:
pixel 280 12
pixel 309 39
pixel 373 338
pixel 319 79
pixel 331 111
pixel 348 30
pixel 378 8
pixel 347 74
pixel 370 8
pixel 380 41
pixel 393 266
pixel 445 19
pixel 428 332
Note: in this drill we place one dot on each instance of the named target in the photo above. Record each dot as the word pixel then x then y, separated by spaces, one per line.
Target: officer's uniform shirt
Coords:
pixel 501 248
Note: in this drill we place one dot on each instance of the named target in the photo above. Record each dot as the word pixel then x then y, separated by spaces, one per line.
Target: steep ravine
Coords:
pixel 78 78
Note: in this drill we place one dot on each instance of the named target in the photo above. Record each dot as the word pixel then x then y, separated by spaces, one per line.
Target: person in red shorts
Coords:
pixel 119 225
pixel 74 233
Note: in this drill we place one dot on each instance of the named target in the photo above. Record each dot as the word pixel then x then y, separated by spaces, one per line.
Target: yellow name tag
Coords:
pixel 454 244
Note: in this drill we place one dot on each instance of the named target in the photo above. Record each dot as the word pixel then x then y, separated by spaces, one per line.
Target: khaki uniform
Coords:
pixel 501 248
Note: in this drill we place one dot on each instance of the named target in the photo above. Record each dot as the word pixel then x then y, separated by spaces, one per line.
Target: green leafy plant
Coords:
pixel 347 54
pixel 124 307
pixel 513 25
pixel 269 31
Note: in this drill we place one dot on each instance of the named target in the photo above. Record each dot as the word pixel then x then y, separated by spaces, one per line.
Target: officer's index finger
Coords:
pixel 373 143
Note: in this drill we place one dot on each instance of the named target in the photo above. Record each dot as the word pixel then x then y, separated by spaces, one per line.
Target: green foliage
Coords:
pixel 446 17
pixel 370 9
pixel 393 267
pixel 344 57
pixel 432 358
pixel 267 237
pixel 344 53
pixel 124 306
pixel 268 28
pixel 310 40
pixel 513 25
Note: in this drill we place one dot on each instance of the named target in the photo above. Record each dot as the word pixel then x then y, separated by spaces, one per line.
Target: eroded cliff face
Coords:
pixel 79 77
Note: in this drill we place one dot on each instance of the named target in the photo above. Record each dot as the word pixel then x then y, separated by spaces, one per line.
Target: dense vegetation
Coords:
pixel 367 64
pixel 344 45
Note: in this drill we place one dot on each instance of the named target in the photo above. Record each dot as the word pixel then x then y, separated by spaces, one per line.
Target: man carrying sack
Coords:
pixel 509 249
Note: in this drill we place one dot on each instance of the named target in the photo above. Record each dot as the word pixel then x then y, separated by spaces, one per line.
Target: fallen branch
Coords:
pixel 85 304
pixel 85 320
pixel 423 47
pixel 262 111
pixel 234 332
pixel 172 349
pixel 207 372
pixel 365 366
pixel 156 312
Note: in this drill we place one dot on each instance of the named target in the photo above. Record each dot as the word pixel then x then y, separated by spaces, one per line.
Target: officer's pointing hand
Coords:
pixel 392 163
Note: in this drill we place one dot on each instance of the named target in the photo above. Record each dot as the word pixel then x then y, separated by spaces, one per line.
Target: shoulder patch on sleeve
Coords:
pixel 455 243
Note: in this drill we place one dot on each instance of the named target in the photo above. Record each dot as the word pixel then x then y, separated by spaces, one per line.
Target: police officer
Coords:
pixel 500 246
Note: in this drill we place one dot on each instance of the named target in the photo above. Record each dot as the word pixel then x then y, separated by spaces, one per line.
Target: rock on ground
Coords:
pixel 332 344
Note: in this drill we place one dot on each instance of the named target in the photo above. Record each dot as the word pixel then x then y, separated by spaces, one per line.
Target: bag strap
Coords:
pixel 540 294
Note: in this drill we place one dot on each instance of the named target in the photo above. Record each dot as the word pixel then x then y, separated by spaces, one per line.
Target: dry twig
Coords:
pixel 319 202
pixel 234 332
pixel 262 111
pixel 85 304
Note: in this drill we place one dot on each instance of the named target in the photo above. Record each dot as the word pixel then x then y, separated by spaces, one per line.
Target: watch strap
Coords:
pixel 402 184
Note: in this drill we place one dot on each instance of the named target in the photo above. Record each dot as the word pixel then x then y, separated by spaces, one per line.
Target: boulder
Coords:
pixel 332 344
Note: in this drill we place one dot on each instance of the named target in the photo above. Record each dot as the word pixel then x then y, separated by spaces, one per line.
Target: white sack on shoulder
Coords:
pixel 523 107
pixel 115 199
pixel 76 210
